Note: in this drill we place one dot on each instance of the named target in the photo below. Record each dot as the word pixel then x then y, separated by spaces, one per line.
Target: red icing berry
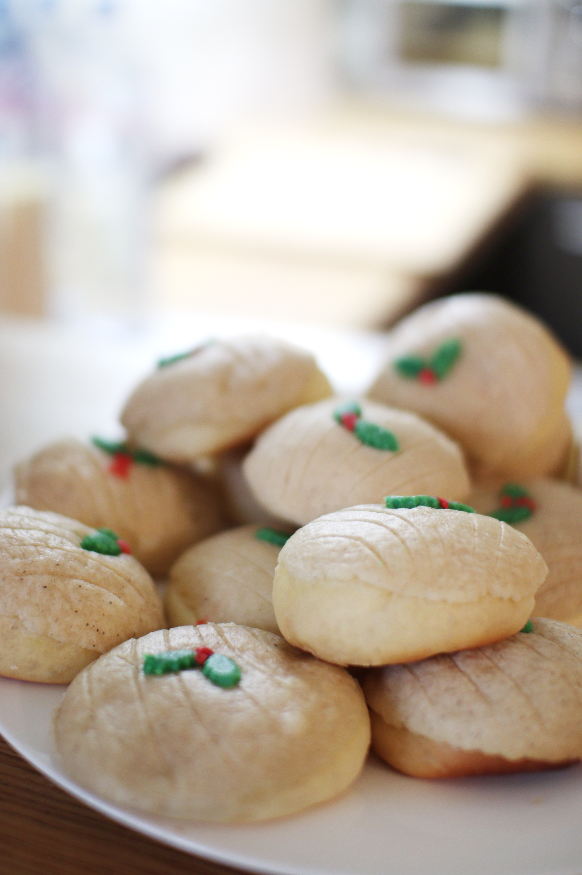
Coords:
pixel 201 622
pixel 427 377
pixel 443 502
pixel 120 464
pixel 524 501
pixel 202 654
pixel 125 548
pixel 506 501
pixel 349 420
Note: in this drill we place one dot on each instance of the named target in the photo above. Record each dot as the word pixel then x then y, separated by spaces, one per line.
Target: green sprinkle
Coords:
pixel 111 447
pixel 375 436
pixel 272 536
pixel 347 407
pixel 102 541
pixel 528 627
pixel 410 366
pixel 169 661
pixel 445 357
pixel 221 670
pixel 511 515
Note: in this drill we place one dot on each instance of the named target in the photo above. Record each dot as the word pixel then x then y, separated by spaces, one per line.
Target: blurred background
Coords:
pixel 325 162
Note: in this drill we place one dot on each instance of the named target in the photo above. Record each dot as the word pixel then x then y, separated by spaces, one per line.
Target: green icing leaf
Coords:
pixel 111 447
pixel 272 536
pixel 408 501
pixel 514 490
pixel 169 661
pixel 457 505
pixel 410 366
pixel 375 436
pixel 445 357
pixel 511 515
pixel 221 670
pixel 144 457
pixel 528 627
pixel 172 359
pixel 102 541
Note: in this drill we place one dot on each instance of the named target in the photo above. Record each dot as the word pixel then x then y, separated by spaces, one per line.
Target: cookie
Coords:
pixel 507 707
pixel 227 579
pixel 220 395
pixel 372 585
pixel 67 594
pixel 334 454
pixel 549 512
pixel 285 732
pixel 490 375
pixel 157 508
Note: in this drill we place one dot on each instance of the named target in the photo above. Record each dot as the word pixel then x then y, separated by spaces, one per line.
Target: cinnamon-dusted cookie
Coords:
pixel 508 707
pixel 68 593
pixel 237 726
pixel 336 453
pixel 373 585
pixel 227 579
pixel 490 375
pixel 549 512
pixel 158 509
pixel 220 395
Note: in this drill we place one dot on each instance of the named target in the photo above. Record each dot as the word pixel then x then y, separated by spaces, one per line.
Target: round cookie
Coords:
pixel 157 508
pixel 371 585
pixel 490 375
pixel 63 604
pixel 334 454
pixel 292 732
pixel 549 512
pixel 227 579
pixel 220 395
pixel 507 707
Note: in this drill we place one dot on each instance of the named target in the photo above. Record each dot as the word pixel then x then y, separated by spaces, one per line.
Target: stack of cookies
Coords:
pixel 424 538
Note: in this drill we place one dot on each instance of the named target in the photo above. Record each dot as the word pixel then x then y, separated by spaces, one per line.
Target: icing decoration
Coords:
pixel 409 501
pixel 272 536
pixel 435 368
pixel 123 456
pixel 180 356
pixel 201 622
pixel 219 669
pixel 528 627
pixel 349 415
pixel 516 504
pixel 106 542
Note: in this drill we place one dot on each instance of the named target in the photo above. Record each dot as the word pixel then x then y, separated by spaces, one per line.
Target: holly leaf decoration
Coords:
pixel 410 366
pixel 445 357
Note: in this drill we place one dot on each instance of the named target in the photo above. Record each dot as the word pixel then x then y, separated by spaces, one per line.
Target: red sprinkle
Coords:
pixel 202 654
pixel 427 376
pixel 202 622
pixel 349 420
pixel 443 502
pixel 120 464
pixel 125 548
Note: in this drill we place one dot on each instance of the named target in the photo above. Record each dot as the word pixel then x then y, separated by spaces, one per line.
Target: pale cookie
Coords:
pixel 508 707
pixel 157 508
pixel 334 454
pixel 370 585
pixel 491 376
pixel 285 733
pixel 227 579
pixel 549 512
pixel 220 395
pixel 63 604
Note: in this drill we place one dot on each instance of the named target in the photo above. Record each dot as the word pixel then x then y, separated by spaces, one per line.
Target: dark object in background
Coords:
pixel 538 264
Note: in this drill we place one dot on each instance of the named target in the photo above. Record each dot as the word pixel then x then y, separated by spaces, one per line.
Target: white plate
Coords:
pixel 386 824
